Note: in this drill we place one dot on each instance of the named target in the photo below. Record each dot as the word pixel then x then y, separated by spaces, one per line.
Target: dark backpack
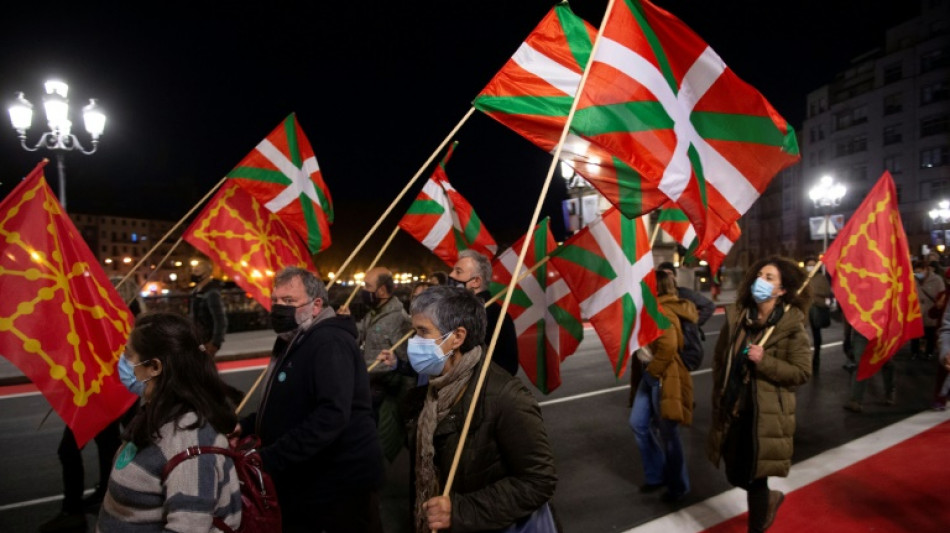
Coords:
pixel 260 512
pixel 693 337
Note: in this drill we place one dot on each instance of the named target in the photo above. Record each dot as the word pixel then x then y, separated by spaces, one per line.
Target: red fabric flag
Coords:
pixel 872 277
pixel 247 241
pixel 283 174
pixel 443 221
pixel 547 317
pixel 62 323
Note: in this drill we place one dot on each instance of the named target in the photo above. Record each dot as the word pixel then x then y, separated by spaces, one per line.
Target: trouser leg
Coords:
pixel 73 474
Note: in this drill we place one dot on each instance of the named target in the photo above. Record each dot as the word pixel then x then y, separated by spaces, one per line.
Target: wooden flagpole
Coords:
pixel 400 195
pixel 157 267
pixel 490 301
pixel 524 252
pixel 768 332
pixel 175 227
pixel 372 265
pixel 656 231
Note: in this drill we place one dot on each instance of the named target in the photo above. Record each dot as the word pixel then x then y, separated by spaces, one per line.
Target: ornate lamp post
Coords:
pixel 940 217
pixel 826 195
pixel 59 137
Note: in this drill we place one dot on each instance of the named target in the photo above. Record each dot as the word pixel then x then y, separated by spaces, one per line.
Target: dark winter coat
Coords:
pixel 785 365
pixel 507 467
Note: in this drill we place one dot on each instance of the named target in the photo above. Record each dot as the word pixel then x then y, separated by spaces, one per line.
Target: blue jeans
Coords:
pixel 658 439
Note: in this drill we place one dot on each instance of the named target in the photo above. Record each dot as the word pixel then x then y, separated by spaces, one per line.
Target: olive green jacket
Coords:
pixel 785 366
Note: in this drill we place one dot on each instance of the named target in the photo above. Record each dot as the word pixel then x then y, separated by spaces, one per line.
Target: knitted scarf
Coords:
pixel 443 392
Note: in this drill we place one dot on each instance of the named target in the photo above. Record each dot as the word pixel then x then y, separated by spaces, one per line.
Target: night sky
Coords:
pixel 375 85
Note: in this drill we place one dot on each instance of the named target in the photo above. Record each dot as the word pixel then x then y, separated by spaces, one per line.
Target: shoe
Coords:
pixel 849 367
pixel 890 398
pixel 65 522
pixel 853 406
pixel 776 498
pixel 670 497
pixel 647 488
pixel 938 406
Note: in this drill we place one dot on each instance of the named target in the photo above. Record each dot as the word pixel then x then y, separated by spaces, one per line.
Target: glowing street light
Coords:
pixel 826 195
pixel 59 138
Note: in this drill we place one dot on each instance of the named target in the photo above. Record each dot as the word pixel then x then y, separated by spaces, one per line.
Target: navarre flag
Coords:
pixel 247 241
pixel 532 95
pixel 62 323
pixel 872 277
pixel 675 223
pixel 443 220
pixel 546 315
pixel 609 267
pixel 283 174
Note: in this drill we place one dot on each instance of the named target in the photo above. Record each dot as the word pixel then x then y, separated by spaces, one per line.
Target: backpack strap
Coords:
pixel 195 451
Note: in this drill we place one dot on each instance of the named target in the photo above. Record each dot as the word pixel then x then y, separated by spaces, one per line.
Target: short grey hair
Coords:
pixel 451 307
pixel 482 266
pixel 311 283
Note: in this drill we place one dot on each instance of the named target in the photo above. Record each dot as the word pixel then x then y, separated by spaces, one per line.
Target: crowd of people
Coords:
pixel 341 397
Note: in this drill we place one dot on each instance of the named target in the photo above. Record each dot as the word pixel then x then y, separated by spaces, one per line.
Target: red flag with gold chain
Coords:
pixel 872 278
pixel 62 323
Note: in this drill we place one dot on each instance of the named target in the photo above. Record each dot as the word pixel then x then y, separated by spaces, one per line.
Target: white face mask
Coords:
pixel 809 268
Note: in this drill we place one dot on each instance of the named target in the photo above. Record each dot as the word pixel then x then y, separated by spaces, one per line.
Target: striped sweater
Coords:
pixel 196 490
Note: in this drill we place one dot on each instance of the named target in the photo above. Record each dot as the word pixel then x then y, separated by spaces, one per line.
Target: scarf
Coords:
pixel 443 393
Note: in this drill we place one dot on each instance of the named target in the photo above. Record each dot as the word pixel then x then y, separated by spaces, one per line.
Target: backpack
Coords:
pixel 260 511
pixel 693 337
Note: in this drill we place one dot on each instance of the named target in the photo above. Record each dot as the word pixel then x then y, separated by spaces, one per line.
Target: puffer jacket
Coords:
pixel 785 366
pixel 676 384
pixel 507 466
pixel 381 328
pixel 928 289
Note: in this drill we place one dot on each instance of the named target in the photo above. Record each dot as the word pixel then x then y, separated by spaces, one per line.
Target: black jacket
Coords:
pixel 207 312
pixel 507 467
pixel 506 349
pixel 316 427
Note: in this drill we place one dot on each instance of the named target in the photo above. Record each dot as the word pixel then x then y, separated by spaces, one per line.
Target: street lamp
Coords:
pixel 941 216
pixel 59 137
pixel 826 195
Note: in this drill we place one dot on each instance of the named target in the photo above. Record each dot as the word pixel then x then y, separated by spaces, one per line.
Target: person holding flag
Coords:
pixel 754 379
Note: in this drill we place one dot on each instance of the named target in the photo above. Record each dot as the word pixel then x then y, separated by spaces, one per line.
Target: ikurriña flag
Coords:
pixel 546 315
pixel 283 174
pixel 62 323
pixel 872 277
pixel 609 267
pixel 443 221
pixel 676 224
pixel 247 241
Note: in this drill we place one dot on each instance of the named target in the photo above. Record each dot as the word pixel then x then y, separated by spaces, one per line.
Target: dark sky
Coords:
pixel 376 86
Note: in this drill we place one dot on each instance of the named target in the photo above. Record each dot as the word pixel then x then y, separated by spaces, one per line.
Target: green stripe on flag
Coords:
pixel 290 129
pixel 425 207
pixel 541 366
pixel 790 146
pixel 520 298
pixel 576 34
pixel 672 214
pixel 697 164
pixel 473 228
pixel 260 174
pixel 584 258
pixel 314 238
pixel 549 106
pixel 737 128
pixel 567 321
pixel 630 189
pixel 629 321
pixel 652 309
pixel 637 11
pixel 625 117
pixel 628 238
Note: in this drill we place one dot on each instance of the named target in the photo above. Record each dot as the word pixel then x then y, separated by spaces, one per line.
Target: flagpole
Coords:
pixel 371 265
pixel 656 231
pixel 250 391
pixel 524 252
pixel 768 332
pixel 401 194
pixel 157 268
pixel 492 300
pixel 175 227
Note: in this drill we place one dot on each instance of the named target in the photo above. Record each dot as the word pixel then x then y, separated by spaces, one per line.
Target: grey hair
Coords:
pixel 482 266
pixel 452 307
pixel 312 284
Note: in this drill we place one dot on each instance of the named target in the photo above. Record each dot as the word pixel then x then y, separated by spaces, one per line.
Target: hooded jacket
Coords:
pixel 785 365
pixel 676 384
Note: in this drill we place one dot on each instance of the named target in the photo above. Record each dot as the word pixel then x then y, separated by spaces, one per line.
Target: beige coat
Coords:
pixel 676 384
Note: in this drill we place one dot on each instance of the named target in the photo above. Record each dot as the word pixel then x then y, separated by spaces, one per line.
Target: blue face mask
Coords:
pixel 762 290
pixel 425 355
pixel 919 275
pixel 127 376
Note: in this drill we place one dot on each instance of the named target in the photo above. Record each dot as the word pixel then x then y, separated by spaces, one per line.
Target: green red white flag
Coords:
pixel 546 315
pixel 283 174
pixel 659 102
pixel 443 221
pixel 609 267
pixel 675 223
pixel 247 241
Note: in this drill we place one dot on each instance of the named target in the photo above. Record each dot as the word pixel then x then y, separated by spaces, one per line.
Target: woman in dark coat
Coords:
pixel 754 385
